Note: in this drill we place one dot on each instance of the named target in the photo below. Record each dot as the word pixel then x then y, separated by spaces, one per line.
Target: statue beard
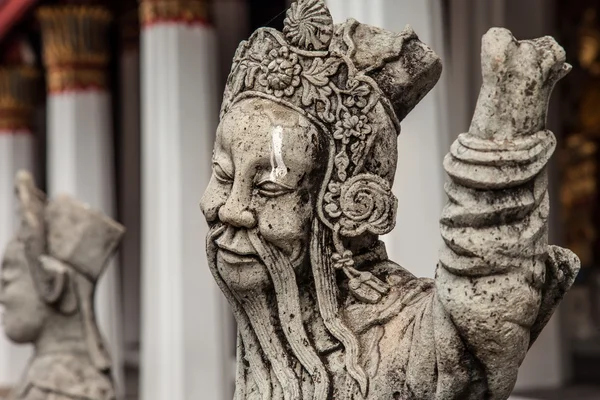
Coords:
pixel 273 351
pixel 280 350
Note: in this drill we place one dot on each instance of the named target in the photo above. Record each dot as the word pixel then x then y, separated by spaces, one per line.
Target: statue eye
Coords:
pixel 269 188
pixel 221 175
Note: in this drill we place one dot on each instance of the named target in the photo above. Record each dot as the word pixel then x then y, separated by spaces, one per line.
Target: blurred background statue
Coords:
pixel 303 163
pixel 48 280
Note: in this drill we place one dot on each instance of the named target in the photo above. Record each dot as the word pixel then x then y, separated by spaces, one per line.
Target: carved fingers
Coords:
pixel 518 79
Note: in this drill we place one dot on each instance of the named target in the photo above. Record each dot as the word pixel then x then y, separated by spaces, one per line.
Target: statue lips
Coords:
pixel 233 258
pixel 235 247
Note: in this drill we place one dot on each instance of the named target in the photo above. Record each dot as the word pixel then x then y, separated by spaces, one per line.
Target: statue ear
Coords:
pixel 55 285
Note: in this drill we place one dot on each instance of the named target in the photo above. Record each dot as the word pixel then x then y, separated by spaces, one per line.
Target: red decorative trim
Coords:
pixel 12 12
pixel 79 65
pixel 178 12
pixel 65 79
pixel 15 132
pixel 77 90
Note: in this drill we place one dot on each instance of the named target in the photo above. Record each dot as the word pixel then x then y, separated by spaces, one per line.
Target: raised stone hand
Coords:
pixel 518 79
pixel 496 267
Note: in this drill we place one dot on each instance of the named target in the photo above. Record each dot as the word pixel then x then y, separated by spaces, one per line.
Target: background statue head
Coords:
pixel 50 270
pixel 304 160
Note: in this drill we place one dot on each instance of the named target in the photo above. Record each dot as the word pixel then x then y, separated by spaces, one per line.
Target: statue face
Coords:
pixel 25 313
pixel 263 161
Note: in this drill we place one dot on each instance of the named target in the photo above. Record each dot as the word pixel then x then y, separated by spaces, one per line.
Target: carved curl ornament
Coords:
pixel 305 70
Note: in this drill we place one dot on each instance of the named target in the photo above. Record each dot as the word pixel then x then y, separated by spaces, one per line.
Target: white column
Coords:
pixel 182 339
pixel 16 152
pixel 415 242
pixel 79 137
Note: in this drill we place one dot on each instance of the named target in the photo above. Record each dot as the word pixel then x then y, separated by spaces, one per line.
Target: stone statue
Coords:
pixel 303 164
pixel 48 278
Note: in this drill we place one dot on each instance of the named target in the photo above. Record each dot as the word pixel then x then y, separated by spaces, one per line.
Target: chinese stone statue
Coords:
pixel 303 164
pixel 48 278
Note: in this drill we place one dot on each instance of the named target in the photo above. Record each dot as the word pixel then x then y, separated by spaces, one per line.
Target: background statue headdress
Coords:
pixel 67 245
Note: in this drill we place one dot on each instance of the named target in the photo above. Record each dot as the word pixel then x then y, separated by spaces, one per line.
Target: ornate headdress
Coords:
pixel 355 83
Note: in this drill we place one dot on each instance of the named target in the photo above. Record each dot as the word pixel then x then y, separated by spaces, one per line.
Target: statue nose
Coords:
pixel 238 217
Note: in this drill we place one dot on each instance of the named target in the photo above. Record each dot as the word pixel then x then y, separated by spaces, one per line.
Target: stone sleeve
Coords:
pixel 491 275
pixel 498 279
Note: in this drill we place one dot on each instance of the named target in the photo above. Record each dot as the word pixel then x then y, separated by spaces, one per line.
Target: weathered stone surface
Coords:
pixel 304 159
pixel 518 78
pixel 48 277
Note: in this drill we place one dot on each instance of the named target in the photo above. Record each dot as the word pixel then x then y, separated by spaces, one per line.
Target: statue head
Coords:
pixel 303 164
pixel 25 314
pixel 51 267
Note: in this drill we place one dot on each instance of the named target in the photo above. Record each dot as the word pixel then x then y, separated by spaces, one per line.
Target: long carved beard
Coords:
pixel 253 314
pixel 250 345
pixel 328 300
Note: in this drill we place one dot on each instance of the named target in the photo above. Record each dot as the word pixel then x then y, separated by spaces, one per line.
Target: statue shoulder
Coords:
pixel 405 291
pixel 67 377
pixel 399 325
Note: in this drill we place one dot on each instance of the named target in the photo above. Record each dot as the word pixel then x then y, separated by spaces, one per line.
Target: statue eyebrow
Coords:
pixel 223 162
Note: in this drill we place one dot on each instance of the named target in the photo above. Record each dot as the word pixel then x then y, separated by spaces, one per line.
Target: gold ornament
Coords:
pixel 18 94
pixel 174 11
pixel 76 47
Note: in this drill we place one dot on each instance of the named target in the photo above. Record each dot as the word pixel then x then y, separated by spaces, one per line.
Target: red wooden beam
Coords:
pixel 11 12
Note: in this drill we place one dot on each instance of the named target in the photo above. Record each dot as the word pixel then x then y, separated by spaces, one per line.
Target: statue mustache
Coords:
pixel 236 240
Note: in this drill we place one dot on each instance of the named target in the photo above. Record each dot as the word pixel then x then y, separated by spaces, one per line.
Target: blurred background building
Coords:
pixel 116 102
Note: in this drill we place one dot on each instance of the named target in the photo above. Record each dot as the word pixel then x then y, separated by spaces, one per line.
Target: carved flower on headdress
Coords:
pixel 281 72
pixel 352 125
pixel 358 96
pixel 367 205
pixel 309 25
